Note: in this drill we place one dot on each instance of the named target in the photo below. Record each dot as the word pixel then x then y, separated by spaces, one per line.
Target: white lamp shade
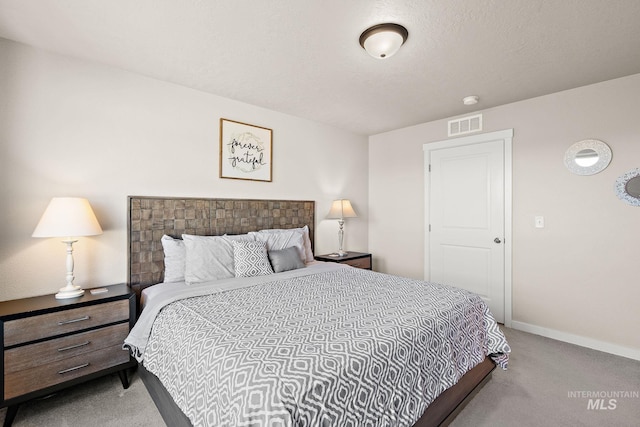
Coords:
pixel 341 209
pixel 68 217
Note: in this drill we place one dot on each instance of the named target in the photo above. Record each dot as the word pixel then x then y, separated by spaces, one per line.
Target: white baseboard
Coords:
pixel 578 340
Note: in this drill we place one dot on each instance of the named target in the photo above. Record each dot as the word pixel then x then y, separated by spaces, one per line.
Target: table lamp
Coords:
pixel 341 209
pixel 68 217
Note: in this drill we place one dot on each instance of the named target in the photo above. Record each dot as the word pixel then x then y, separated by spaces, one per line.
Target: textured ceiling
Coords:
pixel 302 57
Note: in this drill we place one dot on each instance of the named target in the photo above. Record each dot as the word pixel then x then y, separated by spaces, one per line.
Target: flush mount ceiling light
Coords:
pixel 383 40
pixel 470 100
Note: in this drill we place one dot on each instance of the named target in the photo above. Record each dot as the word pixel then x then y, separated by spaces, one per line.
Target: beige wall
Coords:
pixel 75 128
pixel 577 277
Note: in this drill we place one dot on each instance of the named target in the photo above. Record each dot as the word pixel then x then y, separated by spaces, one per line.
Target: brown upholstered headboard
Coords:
pixel 151 217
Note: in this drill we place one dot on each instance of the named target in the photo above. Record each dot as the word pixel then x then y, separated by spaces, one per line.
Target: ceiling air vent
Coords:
pixel 465 125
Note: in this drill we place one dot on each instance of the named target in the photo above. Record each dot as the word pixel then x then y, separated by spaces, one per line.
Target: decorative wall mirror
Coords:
pixel 628 187
pixel 588 157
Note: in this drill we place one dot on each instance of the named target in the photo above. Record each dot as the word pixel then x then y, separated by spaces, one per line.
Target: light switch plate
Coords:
pixel 539 220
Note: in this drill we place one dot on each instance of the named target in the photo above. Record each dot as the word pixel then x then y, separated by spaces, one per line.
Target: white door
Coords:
pixel 466 217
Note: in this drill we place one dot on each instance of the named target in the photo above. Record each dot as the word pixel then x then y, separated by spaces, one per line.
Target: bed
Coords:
pixel 334 345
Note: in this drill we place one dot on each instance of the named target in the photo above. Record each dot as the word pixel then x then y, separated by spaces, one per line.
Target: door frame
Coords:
pixel 507 137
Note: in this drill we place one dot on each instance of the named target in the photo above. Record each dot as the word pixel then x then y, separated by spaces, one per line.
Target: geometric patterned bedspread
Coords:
pixel 348 347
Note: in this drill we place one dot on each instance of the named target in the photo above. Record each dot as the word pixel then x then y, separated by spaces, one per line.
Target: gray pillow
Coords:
pixel 285 259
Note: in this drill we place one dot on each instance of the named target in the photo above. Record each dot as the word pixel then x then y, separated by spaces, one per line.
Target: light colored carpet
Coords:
pixel 533 392
pixel 101 402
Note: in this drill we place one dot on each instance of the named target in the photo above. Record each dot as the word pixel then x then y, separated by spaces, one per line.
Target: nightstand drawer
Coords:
pixel 62 322
pixel 28 380
pixel 33 355
pixel 359 263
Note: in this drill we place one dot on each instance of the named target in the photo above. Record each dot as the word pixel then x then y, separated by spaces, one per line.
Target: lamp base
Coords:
pixel 342 253
pixel 69 292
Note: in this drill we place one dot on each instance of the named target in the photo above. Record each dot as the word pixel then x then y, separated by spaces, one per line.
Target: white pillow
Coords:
pixel 250 259
pixel 210 257
pixel 282 239
pixel 308 252
pixel 174 259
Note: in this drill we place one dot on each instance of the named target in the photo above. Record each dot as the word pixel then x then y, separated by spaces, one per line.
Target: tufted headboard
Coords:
pixel 149 218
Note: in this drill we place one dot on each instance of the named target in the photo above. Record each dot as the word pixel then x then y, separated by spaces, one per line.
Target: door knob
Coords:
pixel 497 240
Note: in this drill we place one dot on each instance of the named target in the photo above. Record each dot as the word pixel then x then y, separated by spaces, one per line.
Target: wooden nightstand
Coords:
pixel 51 344
pixel 354 259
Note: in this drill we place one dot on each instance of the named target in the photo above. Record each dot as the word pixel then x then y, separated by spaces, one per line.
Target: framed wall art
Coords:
pixel 245 151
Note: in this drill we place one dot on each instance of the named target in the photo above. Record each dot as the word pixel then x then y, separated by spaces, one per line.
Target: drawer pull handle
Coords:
pixel 71 347
pixel 80 319
pixel 75 368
